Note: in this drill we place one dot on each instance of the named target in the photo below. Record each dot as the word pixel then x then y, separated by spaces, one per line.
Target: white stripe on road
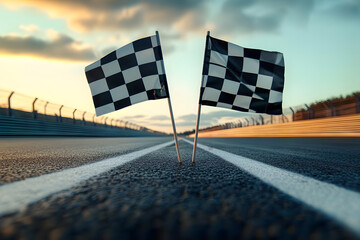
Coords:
pixel 341 204
pixel 17 195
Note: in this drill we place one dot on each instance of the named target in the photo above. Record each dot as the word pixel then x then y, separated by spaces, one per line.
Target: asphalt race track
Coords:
pixel 133 188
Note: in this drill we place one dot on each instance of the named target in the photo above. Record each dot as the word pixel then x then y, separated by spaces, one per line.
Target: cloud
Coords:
pixel 186 16
pixel 156 120
pixel 59 47
pixel 135 117
pixel 188 117
pixel 159 118
pixel 173 19
pixel 344 9
pixel 89 15
pixel 180 18
pixel 211 118
pixel 31 28
pixel 191 21
pixel 248 16
pixel 177 19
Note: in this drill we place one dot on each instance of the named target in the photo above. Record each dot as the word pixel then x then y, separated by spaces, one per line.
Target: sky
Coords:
pixel 45 46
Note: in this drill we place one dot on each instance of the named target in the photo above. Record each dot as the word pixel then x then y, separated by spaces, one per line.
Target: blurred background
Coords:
pixel 45 46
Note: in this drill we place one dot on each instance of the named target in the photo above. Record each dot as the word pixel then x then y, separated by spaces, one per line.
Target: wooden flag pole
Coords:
pixel 171 111
pixel 196 133
pixel 199 111
pixel 174 130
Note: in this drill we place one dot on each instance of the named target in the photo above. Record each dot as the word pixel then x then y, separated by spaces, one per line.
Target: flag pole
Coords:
pixel 174 130
pixel 171 111
pixel 199 111
pixel 196 133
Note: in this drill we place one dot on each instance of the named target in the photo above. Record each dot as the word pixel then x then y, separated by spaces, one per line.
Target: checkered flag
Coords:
pixel 243 79
pixel 129 75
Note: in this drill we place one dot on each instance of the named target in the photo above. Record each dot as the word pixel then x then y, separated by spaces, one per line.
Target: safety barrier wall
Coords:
pixel 324 109
pixel 10 126
pixel 340 126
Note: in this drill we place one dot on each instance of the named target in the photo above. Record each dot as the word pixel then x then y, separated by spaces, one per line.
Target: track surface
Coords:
pixel 333 160
pixel 154 197
pixel 21 158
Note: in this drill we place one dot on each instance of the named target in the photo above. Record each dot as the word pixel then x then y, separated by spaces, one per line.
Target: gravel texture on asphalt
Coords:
pixel 154 197
pixel 21 158
pixel 332 160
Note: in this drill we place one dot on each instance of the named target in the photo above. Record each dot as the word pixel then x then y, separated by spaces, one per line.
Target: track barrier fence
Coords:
pixel 324 109
pixel 17 105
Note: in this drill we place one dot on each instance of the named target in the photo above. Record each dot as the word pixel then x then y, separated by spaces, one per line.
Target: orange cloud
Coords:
pixel 89 15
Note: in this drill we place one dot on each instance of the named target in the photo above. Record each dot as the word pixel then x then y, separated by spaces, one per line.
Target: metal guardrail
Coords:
pixel 17 105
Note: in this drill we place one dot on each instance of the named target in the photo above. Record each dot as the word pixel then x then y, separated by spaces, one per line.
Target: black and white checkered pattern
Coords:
pixel 243 79
pixel 129 75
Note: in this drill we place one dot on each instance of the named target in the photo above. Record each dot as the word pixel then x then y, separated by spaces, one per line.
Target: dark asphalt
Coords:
pixel 332 160
pixel 153 197
pixel 21 158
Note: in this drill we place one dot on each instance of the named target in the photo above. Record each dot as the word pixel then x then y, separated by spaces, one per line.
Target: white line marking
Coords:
pixel 341 204
pixel 17 195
